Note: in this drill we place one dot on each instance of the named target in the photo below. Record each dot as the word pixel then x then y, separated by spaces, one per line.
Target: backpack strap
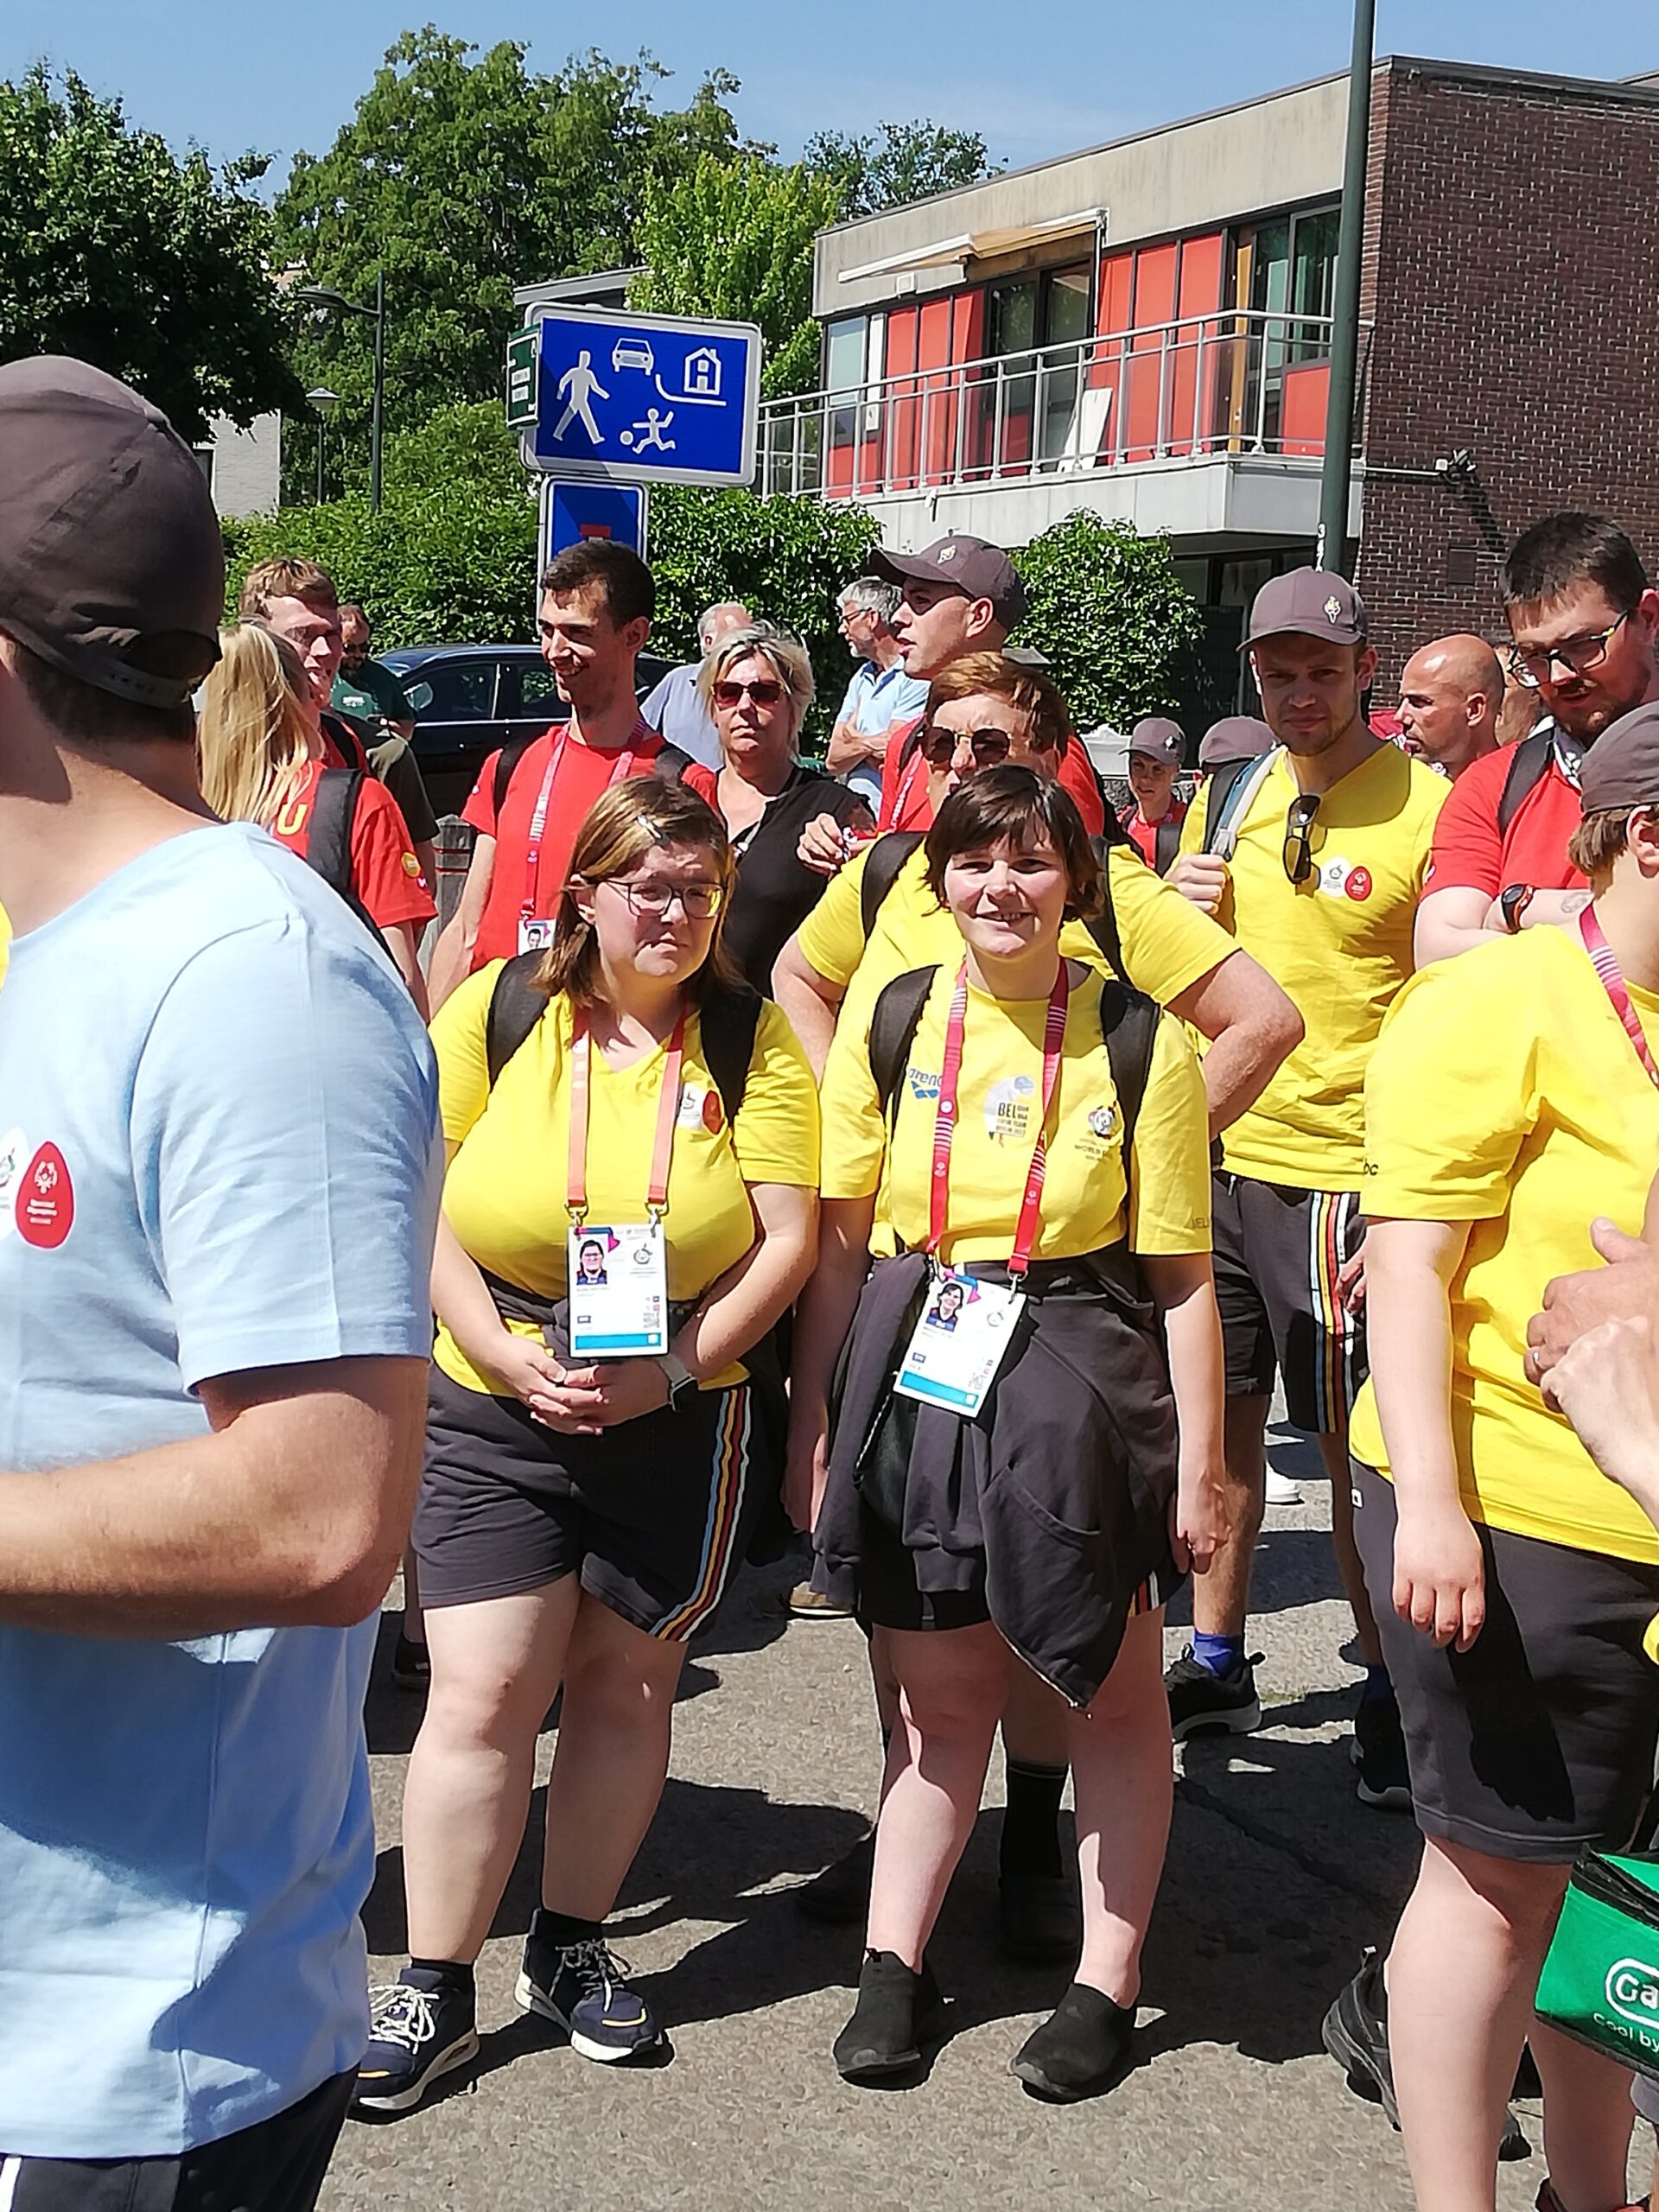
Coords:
pixel 1128 1028
pixel 1103 927
pixel 516 1007
pixel 1527 770
pixel 892 1031
pixel 1168 843
pixel 1231 788
pixel 347 737
pixel 328 832
pixel 883 865
pixel 506 765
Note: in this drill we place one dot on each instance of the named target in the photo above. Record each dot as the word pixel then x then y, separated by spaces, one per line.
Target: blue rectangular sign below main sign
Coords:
pixel 643 399
pixel 570 512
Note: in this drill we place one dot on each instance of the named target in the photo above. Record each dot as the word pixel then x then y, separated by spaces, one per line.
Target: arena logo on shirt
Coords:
pixel 923 1082
pixel 44 1208
pixel 1008 1108
pixel 1340 879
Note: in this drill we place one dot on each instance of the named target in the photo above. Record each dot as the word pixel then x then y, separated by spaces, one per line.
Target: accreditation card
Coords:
pixel 617 1290
pixel 960 1342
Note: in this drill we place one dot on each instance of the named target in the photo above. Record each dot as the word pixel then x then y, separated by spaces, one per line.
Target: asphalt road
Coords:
pixel 1276 1879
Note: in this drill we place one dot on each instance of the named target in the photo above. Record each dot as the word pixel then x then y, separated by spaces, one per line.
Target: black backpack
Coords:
pixel 670 763
pixel 328 836
pixel 1527 770
pixel 1129 1028
pixel 729 1019
pixel 884 862
pixel 1166 845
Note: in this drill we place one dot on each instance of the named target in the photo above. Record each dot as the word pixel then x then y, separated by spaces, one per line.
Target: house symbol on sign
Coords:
pixel 702 373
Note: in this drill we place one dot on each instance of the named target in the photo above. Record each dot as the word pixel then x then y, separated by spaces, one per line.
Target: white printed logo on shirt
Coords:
pixel 14 1151
pixel 1008 1108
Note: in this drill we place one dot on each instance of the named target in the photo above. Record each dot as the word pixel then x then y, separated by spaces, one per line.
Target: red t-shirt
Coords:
pixel 1143 835
pixel 905 806
pixel 584 772
pixel 385 874
pixel 1470 852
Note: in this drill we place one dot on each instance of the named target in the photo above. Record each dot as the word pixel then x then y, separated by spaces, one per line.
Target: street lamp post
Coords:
pixel 325 295
pixel 323 404
pixel 1344 334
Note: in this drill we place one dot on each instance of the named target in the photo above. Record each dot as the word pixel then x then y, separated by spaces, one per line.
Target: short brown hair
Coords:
pixel 284 579
pixel 1014 805
pixel 1016 681
pixel 1597 841
pixel 83 713
pixel 625 822
pixel 630 588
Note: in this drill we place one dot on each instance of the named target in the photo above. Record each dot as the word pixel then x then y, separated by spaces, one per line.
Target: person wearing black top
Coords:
pixel 758 685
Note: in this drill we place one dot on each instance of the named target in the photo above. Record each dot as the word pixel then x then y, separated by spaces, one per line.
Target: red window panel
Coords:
pixel 904 409
pixel 1154 306
pixel 1116 306
pixel 1306 393
pixel 1198 294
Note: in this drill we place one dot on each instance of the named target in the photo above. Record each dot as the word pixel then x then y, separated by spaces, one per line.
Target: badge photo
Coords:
pixel 959 1343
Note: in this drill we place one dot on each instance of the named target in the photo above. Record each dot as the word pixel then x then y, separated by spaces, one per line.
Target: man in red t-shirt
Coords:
pixel 598 598
pixel 387 880
pixel 1583 618
pixel 1152 823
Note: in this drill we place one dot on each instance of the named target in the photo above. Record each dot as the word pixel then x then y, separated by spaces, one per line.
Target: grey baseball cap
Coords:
pixel 972 566
pixel 1621 769
pixel 1308 603
pixel 1235 737
pixel 1159 738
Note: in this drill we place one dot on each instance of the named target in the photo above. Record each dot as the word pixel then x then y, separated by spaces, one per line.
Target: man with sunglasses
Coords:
pixel 1583 619
pixel 1315 862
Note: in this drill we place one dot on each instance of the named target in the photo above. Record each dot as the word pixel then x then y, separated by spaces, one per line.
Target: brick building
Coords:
pixel 1144 330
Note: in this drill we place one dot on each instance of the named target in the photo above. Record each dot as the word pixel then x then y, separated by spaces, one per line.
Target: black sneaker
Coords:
pixel 418 2030
pixel 1082 2049
pixel 411 1667
pixel 1039 1918
pixel 584 1986
pixel 898 2014
pixel 840 1897
pixel 1379 1753
pixel 1203 1702
pixel 1355 2033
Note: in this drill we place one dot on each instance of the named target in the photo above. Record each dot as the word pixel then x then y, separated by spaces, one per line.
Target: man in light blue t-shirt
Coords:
pixel 218 1190
pixel 880 695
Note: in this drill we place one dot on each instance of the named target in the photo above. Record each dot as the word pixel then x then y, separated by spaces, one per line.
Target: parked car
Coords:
pixel 468 700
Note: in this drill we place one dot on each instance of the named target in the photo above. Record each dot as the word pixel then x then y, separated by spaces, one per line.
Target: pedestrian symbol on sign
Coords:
pixel 579 387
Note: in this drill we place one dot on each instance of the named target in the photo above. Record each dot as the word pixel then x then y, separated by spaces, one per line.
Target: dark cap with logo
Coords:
pixel 1621 769
pixel 1236 737
pixel 111 557
pixel 970 565
pixel 1308 603
pixel 1159 738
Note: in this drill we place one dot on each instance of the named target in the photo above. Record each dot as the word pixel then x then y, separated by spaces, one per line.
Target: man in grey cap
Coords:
pixel 1235 737
pixel 214 1311
pixel 1313 856
pixel 1153 822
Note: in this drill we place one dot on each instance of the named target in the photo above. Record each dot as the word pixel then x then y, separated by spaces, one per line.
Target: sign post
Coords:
pixel 625 398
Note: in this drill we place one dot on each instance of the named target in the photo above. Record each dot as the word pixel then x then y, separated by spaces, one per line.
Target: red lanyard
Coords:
pixel 530 909
pixel 667 1110
pixel 1612 982
pixel 944 1119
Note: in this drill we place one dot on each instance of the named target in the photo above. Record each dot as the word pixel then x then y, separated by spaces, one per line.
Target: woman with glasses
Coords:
pixel 757 686
pixel 626 1215
pixel 1010 1494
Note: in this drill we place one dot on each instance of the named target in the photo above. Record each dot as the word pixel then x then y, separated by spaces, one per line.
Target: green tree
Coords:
pixel 153 268
pixel 734 239
pixel 1108 610
pixel 900 163
pixel 462 175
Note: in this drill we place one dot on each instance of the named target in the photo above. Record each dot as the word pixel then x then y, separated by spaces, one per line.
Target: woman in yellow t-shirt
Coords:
pixel 981 1103
pixel 580 1516
pixel 1514 1094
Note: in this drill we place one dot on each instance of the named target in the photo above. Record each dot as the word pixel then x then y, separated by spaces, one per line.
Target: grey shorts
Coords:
pixel 1277 1254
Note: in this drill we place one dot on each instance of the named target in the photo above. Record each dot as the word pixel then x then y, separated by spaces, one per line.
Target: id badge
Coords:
pixel 959 1343
pixel 534 935
pixel 618 1279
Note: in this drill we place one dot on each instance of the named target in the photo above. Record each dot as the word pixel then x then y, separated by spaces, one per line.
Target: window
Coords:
pixel 846 349
pixel 463 690
pixel 1293 271
pixel 538 691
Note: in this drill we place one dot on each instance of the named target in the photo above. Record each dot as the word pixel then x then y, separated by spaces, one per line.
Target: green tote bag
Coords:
pixel 1600 1981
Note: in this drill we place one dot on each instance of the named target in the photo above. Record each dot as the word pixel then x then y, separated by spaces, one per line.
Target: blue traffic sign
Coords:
pixel 572 512
pixel 643 399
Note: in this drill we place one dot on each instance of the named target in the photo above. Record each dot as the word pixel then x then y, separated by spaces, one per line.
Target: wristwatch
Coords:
pixel 1513 902
pixel 682 1382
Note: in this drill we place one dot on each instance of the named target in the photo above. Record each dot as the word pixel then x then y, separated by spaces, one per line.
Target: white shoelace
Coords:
pixel 400 2015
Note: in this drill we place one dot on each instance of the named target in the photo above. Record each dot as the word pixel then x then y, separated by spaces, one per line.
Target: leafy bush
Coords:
pixel 1113 620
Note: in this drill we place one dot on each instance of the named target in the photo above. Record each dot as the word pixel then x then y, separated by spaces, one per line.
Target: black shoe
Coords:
pixel 898 2014
pixel 1202 1701
pixel 418 2030
pixel 1355 2033
pixel 1039 1918
pixel 840 1897
pixel 584 1986
pixel 411 1668
pixel 1084 2048
pixel 1379 1752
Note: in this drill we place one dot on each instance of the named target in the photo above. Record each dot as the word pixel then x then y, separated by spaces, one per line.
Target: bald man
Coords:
pixel 1450 695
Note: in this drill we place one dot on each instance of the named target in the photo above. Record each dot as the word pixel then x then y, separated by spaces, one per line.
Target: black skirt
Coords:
pixel 1056 1495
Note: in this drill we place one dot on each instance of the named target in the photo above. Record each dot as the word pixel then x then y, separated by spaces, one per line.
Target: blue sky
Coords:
pixel 1068 73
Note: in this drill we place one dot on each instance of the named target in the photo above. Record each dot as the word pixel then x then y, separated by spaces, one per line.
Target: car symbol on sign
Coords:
pixel 633 354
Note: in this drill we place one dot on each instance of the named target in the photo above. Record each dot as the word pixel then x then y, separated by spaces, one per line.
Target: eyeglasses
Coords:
pixel 699 902
pixel 1576 655
pixel 989 745
pixel 766 693
pixel 1298 836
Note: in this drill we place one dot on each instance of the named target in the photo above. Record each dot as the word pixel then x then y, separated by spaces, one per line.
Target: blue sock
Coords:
pixel 1221 1655
pixel 1376 1685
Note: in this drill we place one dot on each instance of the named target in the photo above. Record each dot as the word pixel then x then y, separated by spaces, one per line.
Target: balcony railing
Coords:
pixel 1239 382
